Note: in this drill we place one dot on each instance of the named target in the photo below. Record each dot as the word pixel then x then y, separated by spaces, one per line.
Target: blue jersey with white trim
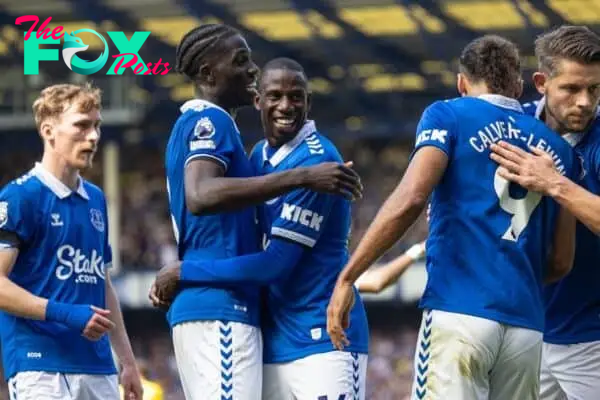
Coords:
pixel 294 322
pixel 63 256
pixel 488 239
pixel 205 130
pixel 573 303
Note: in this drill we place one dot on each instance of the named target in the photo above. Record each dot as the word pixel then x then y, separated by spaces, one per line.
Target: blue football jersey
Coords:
pixel 295 319
pixel 204 130
pixel 488 239
pixel 573 303
pixel 63 256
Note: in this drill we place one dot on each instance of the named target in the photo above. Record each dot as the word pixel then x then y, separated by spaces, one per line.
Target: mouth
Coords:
pixel 252 87
pixel 284 122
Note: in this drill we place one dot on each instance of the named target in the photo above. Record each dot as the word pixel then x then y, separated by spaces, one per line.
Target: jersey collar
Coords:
pixel 308 129
pixel 55 185
pixel 572 138
pixel 502 101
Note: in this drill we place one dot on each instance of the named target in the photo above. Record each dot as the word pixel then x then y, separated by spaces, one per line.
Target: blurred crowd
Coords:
pixel 146 233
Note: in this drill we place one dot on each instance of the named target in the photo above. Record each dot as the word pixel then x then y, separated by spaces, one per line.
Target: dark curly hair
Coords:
pixel 495 61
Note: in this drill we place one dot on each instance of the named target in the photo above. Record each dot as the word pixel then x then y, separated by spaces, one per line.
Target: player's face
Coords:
pixel 283 102
pixel 572 94
pixel 235 73
pixel 74 136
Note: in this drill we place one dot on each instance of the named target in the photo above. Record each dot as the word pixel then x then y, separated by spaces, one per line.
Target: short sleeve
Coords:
pixel 17 217
pixel 302 217
pixel 437 128
pixel 209 134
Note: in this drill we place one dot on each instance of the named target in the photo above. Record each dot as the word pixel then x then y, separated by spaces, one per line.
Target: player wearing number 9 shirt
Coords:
pixel 488 247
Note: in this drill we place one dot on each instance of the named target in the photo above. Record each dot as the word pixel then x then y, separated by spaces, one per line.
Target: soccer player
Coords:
pixel 569 80
pixel 59 308
pixel 307 247
pixel 377 279
pixel 488 247
pixel 212 191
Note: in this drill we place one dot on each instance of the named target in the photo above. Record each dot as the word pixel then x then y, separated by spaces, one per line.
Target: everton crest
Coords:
pixel 97 219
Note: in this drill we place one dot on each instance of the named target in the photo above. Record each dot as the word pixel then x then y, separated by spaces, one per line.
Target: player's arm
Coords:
pixel 207 191
pixel 536 171
pixel 265 267
pixel 130 375
pixel 92 322
pixel 562 253
pixel 14 299
pixel 377 279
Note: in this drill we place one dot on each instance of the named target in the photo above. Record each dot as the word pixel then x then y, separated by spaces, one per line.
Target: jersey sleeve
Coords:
pixel 303 216
pixel 437 128
pixel 17 217
pixel 209 134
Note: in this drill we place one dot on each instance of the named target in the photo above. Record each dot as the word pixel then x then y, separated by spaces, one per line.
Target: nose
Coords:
pixel 93 135
pixel 253 69
pixel 284 105
pixel 584 100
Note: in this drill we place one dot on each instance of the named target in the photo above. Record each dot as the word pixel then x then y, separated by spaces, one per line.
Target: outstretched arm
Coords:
pixel 207 191
pixel 377 279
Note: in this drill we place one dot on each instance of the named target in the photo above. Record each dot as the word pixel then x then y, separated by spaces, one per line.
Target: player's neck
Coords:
pixel 215 99
pixel 59 168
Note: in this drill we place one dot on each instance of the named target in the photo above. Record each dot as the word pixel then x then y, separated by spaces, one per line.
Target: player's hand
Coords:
pixel 98 325
pixel 157 301
pixel 336 178
pixel 534 171
pixel 166 284
pixel 132 383
pixel 338 314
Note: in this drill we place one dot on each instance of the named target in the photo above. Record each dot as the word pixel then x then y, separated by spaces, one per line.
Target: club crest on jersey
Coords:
pixel 204 129
pixel 97 219
pixel 3 213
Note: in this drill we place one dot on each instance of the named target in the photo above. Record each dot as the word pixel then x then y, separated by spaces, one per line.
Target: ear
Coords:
pixel 205 74
pixel 47 131
pixel 462 84
pixel 257 101
pixel 539 80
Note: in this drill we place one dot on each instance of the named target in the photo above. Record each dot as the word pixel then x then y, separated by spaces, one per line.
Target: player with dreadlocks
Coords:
pixel 212 194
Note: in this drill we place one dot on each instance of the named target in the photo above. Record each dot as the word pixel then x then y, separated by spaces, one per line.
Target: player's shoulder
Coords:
pixel 256 154
pixel 25 187
pixel 206 119
pixel 315 148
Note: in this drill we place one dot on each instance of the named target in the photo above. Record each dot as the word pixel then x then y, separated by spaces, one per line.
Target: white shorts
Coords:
pixel 570 371
pixel 336 375
pixel 219 360
pixel 38 385
pixel 469 358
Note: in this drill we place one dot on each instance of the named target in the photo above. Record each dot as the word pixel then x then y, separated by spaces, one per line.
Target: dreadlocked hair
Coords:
pixel 197 44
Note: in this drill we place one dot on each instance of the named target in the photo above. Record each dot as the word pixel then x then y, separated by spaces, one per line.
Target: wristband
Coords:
pixel 415 252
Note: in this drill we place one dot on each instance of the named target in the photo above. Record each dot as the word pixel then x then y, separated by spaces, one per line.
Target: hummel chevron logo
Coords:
pixel 226 350
pixel 423 356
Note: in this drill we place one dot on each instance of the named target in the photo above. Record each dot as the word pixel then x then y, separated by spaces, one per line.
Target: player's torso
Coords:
pixel 488 238
pixel 295 324
pixel 65 261
pixel 573 304
pixel 214 236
